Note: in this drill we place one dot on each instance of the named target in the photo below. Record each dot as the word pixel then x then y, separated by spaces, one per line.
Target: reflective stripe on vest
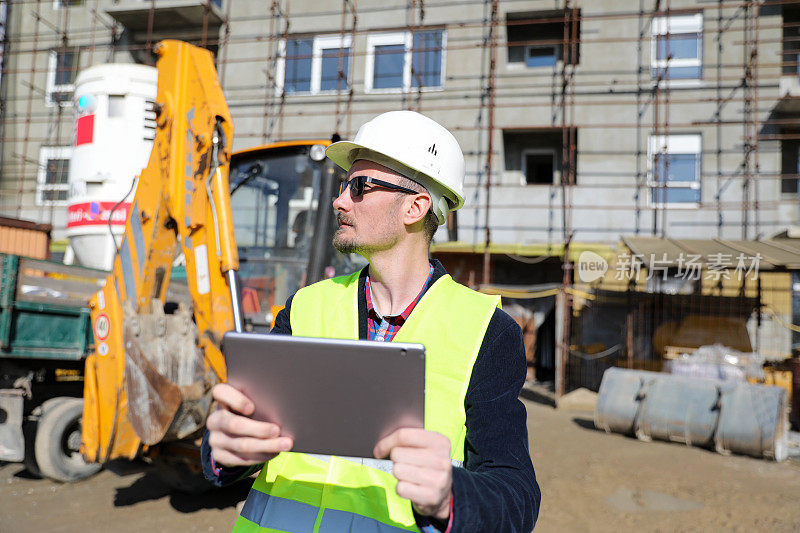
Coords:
pixel 328 493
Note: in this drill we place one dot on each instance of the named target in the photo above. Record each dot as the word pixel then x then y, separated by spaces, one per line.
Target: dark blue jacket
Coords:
pixel 497 489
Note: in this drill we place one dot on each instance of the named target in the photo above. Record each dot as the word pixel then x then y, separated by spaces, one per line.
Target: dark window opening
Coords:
pixel 539 39
pixel 539 155
pixel 790 165
pixel 791 40
pixel 538 168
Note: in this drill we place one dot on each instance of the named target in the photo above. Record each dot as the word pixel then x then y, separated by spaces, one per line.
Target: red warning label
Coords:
pixel 102 327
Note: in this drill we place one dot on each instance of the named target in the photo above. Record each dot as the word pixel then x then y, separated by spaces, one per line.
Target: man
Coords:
pixel 469 469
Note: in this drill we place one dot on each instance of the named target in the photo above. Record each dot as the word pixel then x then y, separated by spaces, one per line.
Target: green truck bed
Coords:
pixel 44 309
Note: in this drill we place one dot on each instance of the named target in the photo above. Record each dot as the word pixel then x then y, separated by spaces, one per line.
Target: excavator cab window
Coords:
pixel 283 221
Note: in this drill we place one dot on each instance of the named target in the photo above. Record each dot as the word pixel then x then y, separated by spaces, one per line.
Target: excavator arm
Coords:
pixel 149 378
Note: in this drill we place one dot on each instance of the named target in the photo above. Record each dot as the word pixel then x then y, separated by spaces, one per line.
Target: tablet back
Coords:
pixel 336 397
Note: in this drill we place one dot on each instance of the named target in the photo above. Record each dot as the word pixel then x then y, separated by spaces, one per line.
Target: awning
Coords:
pixel 773 254
pixel 526 250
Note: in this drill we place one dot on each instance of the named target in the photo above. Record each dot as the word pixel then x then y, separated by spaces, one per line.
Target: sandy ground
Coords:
pixel 590 482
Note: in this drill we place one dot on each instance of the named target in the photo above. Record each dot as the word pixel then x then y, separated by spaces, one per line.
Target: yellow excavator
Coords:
pixel 147 384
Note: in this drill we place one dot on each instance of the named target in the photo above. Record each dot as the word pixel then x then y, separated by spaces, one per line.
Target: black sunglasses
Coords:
pixel 356 185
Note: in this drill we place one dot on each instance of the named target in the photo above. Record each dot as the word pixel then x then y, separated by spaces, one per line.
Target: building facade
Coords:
pixel 582 120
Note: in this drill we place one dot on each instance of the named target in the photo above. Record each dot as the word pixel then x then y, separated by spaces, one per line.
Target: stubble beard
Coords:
pixel 351 245
pixel 342 244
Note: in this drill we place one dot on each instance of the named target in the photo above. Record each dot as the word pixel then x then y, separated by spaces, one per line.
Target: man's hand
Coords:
pixel 422 467
pixel 236 439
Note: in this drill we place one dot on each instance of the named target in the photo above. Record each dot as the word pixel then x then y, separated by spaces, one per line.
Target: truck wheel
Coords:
pixel 58 441
pixel 29 433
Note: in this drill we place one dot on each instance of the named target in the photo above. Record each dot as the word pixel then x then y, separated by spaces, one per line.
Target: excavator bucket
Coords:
pixel 168 387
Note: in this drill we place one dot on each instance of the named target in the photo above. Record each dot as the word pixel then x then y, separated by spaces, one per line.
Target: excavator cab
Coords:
pixel 281 197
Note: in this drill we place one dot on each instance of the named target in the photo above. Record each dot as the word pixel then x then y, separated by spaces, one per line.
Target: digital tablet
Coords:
pixel 335 397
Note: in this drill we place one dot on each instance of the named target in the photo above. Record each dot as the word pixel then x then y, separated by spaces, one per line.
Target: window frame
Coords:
pixel 318 44
pixel 675 144
pixel 524 153
pixel 529 47
pixel 676 25
pixel 53 88
pixel 47 153
pixel 405 38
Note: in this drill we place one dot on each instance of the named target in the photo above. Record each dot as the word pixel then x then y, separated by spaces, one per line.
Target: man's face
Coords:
pixel 371 222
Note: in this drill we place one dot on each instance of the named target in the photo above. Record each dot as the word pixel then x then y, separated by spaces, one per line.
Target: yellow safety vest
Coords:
pixel 299 492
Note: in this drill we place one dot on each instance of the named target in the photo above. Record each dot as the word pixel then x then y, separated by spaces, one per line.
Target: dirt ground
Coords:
pixel 590 481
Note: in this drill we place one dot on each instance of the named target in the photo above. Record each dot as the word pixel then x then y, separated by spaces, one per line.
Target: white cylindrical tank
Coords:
pixel 115 125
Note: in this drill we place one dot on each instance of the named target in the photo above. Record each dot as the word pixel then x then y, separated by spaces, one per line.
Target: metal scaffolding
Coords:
pixel 565 95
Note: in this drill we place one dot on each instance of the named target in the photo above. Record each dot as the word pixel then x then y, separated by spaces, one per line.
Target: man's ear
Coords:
pixel 415 208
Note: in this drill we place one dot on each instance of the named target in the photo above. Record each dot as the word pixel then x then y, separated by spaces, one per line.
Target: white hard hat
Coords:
pixel 416 147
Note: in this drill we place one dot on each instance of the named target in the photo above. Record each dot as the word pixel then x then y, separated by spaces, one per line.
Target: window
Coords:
pixel 311 65
pixel 675 169
pixel 790 164
pixel 676 47
pixel 536 38
pixel 61 73
pixel 405 60
pixel 426 62
pixel 61 4
pixel 540 56
pixel 535 157
pixel 791 40
pixel 53 177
